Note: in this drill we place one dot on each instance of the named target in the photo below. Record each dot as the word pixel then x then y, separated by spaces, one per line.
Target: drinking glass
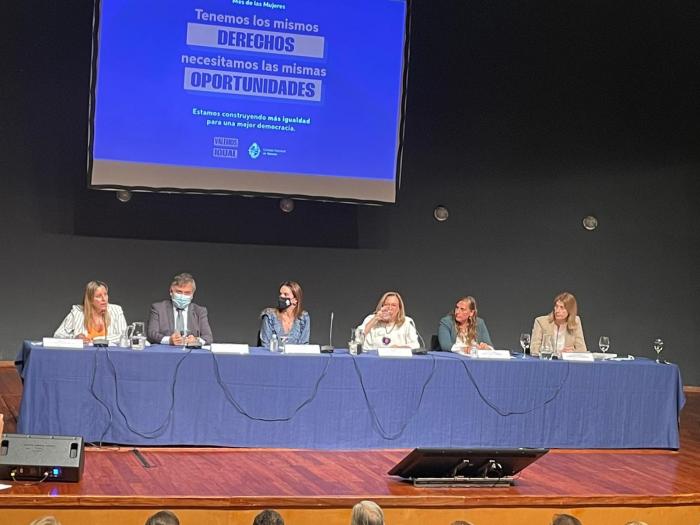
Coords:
pixel 525 342
pixel 658 347
pixel 352 344
pixel 604 343
pixel 283 343
pixel 547 348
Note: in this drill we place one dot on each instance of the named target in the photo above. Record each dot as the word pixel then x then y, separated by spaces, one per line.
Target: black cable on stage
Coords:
pixel 244 413
pixel 92 391
pixel 491 405
pixel 148 434
pixel 375 419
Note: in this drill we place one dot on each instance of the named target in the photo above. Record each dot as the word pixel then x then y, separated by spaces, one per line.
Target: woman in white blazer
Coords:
pixel 95 318
pixel 562 324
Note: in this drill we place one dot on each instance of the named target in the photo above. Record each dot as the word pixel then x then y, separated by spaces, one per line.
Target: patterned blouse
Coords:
pixel 270 323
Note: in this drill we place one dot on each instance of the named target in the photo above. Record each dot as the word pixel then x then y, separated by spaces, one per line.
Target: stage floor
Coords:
pixel 229 486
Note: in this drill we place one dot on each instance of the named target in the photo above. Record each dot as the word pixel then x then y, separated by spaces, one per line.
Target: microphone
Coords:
pixel 422 350
pixel 327 349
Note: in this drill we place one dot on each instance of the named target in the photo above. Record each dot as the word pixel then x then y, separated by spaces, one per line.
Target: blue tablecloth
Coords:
pixel 164 396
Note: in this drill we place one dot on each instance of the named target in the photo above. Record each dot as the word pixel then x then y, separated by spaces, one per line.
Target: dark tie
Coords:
pixel 179 322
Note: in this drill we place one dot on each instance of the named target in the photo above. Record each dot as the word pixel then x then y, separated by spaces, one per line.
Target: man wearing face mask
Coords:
pixel 288 319
pixel 178 321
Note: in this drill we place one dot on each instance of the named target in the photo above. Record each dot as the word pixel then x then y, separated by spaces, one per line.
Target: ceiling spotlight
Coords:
pixel 123 195
pixel 590 223
pixel 441 213
pixel 287 205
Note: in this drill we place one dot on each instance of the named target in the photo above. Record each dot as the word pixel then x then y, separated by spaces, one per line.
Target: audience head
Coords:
pixel 636 523
pixel 291 291
pixel 564 310
pixel 565 519
pixel 367 513
pixel 164 517
pixel 392 303
pixel 460 522
pixel 268 517
pixel 46 520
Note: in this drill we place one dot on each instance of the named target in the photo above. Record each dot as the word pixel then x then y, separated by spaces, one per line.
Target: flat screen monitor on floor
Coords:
pixel 449 466
pixel 300 98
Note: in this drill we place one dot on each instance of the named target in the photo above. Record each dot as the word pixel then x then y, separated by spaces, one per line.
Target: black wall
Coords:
pixel 523 117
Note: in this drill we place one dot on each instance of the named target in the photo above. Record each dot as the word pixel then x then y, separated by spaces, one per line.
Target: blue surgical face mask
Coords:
pixel 181 300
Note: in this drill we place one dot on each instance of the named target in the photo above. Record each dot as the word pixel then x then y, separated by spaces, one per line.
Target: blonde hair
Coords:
pixel 367 512
pixel 401 317
pixel 471 321
pixel 89 308
pixel 569 302
pixel 46 520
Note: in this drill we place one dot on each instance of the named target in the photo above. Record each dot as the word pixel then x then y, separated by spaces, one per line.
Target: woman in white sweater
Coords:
pixel 389 326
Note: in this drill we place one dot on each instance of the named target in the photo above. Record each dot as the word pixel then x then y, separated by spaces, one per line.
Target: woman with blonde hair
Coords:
pixel 562 324
pixel 288 319
pixel 95 318
pixel 389 326
pixel 463 327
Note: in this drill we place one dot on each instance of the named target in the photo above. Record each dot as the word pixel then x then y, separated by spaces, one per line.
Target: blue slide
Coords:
pixel 310 88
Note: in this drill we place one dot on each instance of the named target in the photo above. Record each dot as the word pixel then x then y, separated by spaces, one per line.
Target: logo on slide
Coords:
pixel 254 150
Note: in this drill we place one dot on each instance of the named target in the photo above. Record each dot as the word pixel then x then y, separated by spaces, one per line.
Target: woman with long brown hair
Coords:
pixel 288 319
pixel 463 327
pixel 562 324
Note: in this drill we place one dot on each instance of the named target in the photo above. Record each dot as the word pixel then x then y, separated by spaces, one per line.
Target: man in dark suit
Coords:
pixel 179 321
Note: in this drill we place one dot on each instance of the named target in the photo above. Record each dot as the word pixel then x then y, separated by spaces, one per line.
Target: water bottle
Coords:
pixel 124 340
pixel 274 343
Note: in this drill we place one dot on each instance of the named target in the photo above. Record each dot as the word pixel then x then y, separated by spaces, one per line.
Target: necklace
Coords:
pixel 386 340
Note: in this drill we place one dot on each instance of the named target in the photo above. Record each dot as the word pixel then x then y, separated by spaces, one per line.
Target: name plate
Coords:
pixel 302 349
pixel 54 342
pixel 602 356
pixel 584 357
pixel 493 354
pixel 229 348
pixel 394 352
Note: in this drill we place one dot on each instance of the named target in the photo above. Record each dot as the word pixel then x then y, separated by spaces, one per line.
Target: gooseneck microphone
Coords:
pixel 327 349
pixel 422 349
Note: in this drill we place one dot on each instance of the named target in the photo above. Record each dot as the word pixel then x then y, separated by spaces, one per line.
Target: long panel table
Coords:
pixel 167 396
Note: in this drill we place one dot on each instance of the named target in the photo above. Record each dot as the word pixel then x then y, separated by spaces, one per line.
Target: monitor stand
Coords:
pixel 459 481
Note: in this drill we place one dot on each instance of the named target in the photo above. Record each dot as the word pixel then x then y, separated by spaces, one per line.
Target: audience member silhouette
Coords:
pixel 46 520
pixel 268 517
pixel 164 517
pixel 367 513
pixel 565 519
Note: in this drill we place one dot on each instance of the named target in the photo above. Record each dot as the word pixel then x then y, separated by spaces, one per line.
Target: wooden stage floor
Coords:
pixel 229 486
